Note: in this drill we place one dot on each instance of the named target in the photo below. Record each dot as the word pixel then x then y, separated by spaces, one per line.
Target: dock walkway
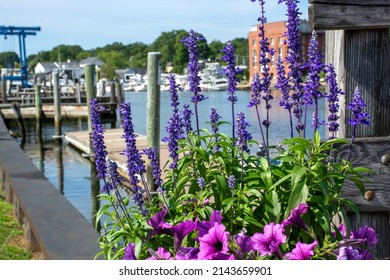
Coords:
pixel 115 145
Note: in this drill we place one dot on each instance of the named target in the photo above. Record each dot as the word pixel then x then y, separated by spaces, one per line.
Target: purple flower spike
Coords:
pixel 154 163
pixel 295 217
pixel 357 106
pixel 174 124
pixel 213 243
pixel 194 68
pixel 268 243
pixel 243 136
pixel 186 119
pixel 98 144
pixel 231 182
pixel 302 251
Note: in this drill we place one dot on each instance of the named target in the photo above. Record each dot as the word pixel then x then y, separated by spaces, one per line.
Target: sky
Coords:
pixel 96 23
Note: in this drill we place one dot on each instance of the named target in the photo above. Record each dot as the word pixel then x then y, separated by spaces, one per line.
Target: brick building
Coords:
pixel 275 32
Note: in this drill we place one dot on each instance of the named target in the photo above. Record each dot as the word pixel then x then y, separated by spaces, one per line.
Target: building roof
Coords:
pixel 92 60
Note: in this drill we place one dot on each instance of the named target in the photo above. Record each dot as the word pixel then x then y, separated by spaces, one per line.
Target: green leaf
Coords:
pixel 297 174
pixel 274 207
pixel 299 194
pixel 264 164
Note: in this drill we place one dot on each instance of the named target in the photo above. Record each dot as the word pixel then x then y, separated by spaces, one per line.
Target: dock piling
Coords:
pixel 57 106
pixel 89 71
pixel 4 88
pixel 153 111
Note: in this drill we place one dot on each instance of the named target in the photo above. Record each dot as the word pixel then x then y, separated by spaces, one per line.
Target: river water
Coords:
pixel 73 175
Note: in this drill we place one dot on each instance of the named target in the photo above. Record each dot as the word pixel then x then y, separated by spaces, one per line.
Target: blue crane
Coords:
pixel 21 32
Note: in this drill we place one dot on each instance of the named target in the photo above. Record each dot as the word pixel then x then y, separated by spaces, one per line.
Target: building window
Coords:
pixel 254 42
pixel 281 40
pixel 273 60
pixel 272 41
pixel 254 58
pixel 280 52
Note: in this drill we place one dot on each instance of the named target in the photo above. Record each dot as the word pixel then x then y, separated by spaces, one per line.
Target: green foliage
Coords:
pixel 8 59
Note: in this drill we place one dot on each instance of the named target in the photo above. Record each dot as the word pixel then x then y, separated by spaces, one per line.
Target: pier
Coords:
pixel 115 145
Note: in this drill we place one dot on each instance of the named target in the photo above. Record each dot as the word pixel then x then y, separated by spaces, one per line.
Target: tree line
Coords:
pixel 134 55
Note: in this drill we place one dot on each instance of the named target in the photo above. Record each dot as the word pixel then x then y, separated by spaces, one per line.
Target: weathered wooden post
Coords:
pixel 118 91
pixel 90 86
pixel 38 115
pixel 358 45
pixel 153 110
pixel 4 88
pixel 57 106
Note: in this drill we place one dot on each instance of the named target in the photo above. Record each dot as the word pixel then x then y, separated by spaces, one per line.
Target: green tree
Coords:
pixel 65 52
pixel 215 50
pixel 137 54
pixel 8 59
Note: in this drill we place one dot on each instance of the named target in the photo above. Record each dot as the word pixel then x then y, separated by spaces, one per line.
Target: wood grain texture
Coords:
pixel 352 2
pixel 348 17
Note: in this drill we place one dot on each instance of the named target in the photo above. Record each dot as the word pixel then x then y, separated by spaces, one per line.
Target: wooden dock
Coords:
pixel 115 145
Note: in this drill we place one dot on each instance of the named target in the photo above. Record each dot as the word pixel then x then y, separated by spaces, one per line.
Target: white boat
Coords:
pixel 218 84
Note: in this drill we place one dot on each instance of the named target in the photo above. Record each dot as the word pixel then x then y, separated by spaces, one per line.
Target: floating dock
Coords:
pixel 115 145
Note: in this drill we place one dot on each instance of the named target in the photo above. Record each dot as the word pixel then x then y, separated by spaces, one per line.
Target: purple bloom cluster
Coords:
pixel 333 99
pixel 174 124
pixel 243 136
pixel 293 58
pixel 134 162
pixel 98 144
pixel 231 182
pixel 231 70
pixel 214 119
pixel 154 163
pixel 186 119
pixel 357 106
pixel 359 244
pixel 312 85
pixel 194 68
pixel 115 178
pixel 215 242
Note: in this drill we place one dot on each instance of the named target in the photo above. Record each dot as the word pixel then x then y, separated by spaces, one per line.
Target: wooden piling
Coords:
pixel 18 114
pixel 38 103
pixel 153 110
pixel 89 72
pixel 118 91
pixel 57 105
pixel 4 88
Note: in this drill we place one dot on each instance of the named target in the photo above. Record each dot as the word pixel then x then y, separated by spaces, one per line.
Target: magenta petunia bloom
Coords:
pixel 244 244
pixel 161 254
pixel 302 251
pixel 295 218
pixel 349 253
pixel 214 242
pixel 180 231
pixel 158 223
pixel 342 229
pixel 130 252
pixel 268 243
pixel 203 227
pixel 187 253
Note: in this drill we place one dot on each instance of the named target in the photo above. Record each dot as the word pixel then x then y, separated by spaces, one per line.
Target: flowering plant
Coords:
pixel 217 200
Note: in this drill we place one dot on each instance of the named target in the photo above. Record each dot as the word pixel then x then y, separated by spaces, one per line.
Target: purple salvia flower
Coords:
pixel 174 124
pixel 231 182
pixel 115 178
pixel 186 119
pixel 283 85
pixel 293 58
pixel 333 100
pixel 256 101
pixel 231 72
pixel 243 136
pixel 214 121
pixel 302 251
pixel 154 163
pixel 268 243
pixel 201 182
pixel 312 85
pixel 358 116
pixel 98 144
pixel 194 68
pixel 134 163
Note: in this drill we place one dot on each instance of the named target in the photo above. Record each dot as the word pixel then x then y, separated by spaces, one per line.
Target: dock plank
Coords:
pixel 115 145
